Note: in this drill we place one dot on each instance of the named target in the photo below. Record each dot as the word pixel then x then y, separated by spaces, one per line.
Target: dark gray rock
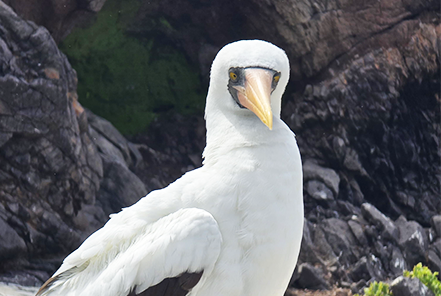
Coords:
pixel 28 279
pixel 378 152
pixel 172 146
pixel 436 246
pixel 318 190
pixel 64 15
pixel 367 269
pixel 109 141
pixel 89 219
pixel 308 252
pixel 11 244
pixel 385 224
pixel 431 234
pixel 404 286
pixel 340 238
pixel 436 224
pixel 362 270
pixel 358 232
pixel 321 246
pixel 328 177
pixel 310 277
pixel 51 156
pixel 381 250
pixel 358 286
pixel 413 241
pixel 50 168
pixel 120 187
pixel 397 262
pixel 433 261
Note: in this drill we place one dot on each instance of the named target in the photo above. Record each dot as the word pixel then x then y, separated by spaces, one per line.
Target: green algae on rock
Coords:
pixel 127 79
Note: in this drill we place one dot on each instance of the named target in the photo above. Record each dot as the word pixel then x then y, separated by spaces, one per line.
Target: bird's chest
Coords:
pixel 266 239
pixel 260 218
pixel 263 224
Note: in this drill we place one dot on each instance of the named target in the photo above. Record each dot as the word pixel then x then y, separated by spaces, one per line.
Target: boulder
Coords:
pixel 120 187
pixel 404 286
pixel 325 176
pixel 436 246
pixel 385 224
pixel 358 232
pixel 11 244
pixel 397 262
pixel 318 190
pixel 339 236
pixel 310 277
pixel 308 252
pixel 322 247
pixel 413 241
pixel 433 261
pixel 362 270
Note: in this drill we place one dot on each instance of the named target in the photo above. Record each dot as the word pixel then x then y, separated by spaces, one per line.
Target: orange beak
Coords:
pixel 256 94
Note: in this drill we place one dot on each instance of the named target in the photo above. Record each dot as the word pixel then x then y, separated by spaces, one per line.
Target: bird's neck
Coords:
pixel 227 133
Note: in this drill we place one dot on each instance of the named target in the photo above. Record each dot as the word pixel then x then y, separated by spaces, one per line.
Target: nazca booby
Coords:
pixel 232 227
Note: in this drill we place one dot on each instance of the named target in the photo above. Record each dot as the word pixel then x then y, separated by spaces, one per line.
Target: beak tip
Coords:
pixel 269 122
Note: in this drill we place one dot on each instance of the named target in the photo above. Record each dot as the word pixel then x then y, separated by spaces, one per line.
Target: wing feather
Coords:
pixel 185 241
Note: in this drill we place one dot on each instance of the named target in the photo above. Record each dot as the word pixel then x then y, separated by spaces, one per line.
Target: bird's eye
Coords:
pixel 233 76
pixel 276 78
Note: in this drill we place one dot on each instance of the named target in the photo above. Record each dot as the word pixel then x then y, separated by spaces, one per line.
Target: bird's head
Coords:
pixel 248 78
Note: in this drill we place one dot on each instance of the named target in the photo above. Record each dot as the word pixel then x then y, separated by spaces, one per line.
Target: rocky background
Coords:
pixel 363 101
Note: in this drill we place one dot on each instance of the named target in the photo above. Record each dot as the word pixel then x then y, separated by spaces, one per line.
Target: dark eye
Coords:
pixel 276 78
pixel 233 76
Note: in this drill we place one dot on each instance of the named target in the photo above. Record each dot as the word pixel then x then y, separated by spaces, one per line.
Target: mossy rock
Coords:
pixel 129 80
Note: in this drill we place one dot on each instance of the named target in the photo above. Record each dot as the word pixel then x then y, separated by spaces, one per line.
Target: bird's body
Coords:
pixel 236 222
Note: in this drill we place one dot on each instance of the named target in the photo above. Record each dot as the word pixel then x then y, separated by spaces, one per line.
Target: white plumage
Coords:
pixel 238 218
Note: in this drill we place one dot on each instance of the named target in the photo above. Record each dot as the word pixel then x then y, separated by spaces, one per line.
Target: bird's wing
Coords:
pixel 183 245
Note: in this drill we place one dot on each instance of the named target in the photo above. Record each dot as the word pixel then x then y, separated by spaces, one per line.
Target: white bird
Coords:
pixel 232 227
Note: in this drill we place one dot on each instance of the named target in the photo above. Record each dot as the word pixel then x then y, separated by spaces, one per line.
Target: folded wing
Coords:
pixel 170 254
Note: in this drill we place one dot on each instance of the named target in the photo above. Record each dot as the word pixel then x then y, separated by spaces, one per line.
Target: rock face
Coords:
pixel 59 17
pixel 58 171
